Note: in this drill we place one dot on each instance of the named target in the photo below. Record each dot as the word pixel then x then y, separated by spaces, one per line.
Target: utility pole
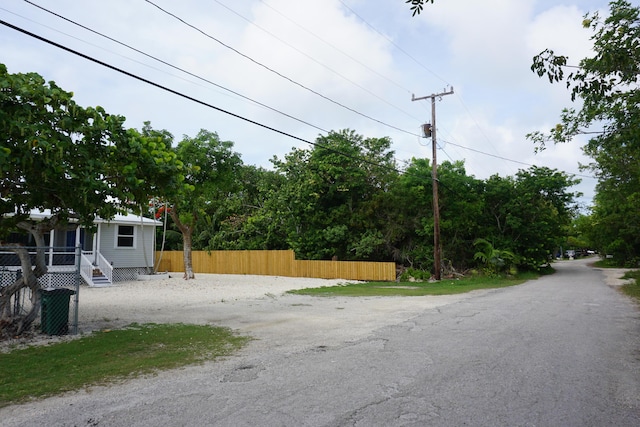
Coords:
pixel 430 130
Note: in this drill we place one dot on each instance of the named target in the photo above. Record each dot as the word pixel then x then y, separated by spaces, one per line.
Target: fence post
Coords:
pixel 77 285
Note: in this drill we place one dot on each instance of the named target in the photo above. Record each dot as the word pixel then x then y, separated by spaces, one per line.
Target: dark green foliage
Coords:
pixel 607 86
pixel 78 163
pixel 247 218
pixel 331 200
pixel 344 199
pixel 494 261
pixel 531 213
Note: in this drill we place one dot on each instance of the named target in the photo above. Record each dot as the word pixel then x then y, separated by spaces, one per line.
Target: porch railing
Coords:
pixel 91 260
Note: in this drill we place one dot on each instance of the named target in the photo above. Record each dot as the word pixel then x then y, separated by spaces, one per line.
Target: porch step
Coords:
pixel 100 280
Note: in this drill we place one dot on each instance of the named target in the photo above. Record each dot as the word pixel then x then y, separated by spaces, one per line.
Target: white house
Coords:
pixel 119 250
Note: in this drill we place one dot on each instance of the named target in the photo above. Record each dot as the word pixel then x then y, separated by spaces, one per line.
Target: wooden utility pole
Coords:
pixel 434 177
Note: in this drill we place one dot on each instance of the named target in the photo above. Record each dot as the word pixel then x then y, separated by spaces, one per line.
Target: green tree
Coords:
pixel 76 162
pixel 616 221
pixel 607 85
pixel 579 233
pixel 211 165
pixel 248 220
pixel 529 214
pixel 461 205
pixel 411 216
pixel 331 197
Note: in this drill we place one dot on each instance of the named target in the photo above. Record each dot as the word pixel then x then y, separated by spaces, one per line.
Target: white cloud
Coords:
pixel 483 49
pixel 560 29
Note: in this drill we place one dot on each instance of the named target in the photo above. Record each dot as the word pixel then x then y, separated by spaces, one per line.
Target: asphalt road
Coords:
pixel 563 350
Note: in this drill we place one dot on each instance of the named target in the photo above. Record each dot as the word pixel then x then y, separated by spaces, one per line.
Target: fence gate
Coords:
pixel 58 288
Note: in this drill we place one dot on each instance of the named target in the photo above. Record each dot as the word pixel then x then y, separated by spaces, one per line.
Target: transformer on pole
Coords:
pixel 429 130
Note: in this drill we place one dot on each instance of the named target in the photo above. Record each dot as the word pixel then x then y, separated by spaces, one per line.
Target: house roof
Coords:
pixel 128 218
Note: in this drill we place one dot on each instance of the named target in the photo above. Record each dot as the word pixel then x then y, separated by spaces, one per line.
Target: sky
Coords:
pixel 270 75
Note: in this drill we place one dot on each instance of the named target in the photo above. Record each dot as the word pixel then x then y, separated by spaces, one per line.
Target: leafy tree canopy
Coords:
pixel 607 86
pixel 75 162
pixel 331 192
pixel 211 166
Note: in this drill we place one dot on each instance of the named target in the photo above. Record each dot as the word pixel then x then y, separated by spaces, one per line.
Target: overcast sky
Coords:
pixel 307 67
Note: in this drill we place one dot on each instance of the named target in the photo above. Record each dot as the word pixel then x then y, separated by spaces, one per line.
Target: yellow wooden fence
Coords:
pixel 276 263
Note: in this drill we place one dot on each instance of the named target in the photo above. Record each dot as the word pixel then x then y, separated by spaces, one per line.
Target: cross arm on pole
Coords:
pixel 432 96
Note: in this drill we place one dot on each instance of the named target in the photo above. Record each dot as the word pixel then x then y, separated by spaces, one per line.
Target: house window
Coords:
pixel 125 237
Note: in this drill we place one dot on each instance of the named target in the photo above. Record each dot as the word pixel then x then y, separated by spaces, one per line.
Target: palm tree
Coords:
pixel 495 261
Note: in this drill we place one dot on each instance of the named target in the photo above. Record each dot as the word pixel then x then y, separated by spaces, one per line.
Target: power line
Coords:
pixel 476 123
pixel 177 68
pixel 276 72
pixel 510 160
pixel 318 62
pixel 231 10
pixel 335 47
pixel 190 98
pixel 185 71
pixel 394 44
pixel 418 63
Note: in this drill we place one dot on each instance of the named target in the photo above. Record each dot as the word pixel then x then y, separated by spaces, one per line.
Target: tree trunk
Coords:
pixel 148 270
pixel 187 233
pixel 187 256
pixel 13 322
pixel 164 237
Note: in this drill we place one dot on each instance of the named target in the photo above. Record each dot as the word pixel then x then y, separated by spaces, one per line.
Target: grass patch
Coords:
pixel 107 356
pixel 632 288
pixel 606 263
pixel 443 287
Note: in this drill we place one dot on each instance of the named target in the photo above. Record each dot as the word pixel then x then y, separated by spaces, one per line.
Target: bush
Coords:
pixel 415 275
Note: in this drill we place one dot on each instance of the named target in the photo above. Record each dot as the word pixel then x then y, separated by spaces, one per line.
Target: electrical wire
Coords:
pixel 318 62
pixel 170 65
pixel 511 160
pixel 394 44
pixel 188 97
pixel 276 72
pixel 398 85
pixel 408 55
pixel 176 67
pixel 476 123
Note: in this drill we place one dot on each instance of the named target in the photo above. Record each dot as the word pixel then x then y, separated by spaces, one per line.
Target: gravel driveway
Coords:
pixel 253 305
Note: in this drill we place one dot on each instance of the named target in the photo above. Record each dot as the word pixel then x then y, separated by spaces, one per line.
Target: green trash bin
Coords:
pixel 54 314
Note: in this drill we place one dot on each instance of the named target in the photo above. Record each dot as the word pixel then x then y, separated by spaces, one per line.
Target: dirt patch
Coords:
pixel 252 305
pixel 613 276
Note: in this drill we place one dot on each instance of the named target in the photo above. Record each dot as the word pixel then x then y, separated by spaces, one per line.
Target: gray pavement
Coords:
pixel 563 350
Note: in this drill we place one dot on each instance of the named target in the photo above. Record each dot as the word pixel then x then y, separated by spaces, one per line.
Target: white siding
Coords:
pixel 127 257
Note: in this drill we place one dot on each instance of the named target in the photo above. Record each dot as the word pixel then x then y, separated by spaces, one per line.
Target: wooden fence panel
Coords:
pixel 276 263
